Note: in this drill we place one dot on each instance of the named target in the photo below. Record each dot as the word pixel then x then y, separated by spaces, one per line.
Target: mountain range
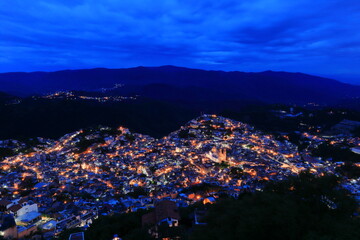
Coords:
pixel 186 85
pixel 157 100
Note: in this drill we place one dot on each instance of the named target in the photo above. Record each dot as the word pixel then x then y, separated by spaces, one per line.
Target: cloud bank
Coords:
pixel 320 37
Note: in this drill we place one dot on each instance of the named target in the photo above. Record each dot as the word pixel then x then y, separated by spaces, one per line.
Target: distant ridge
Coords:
pixel 267 86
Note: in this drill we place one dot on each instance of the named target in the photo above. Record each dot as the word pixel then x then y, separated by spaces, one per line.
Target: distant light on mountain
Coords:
pixel 177 83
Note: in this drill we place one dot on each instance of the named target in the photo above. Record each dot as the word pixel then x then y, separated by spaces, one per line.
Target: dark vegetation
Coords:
pixel 84 144
pixel 203 188
pixel 236 172
pixel 5 152
pixel 343 154
pixel 128 226
pixel 349 170
pixel 28 183
pixel 6 98
pixel 356 132
pixel 54 118
pixel 303 207
pixel 138 191
pixel 64 235
pixel 336 153
pixel 12 150
pixel 265 118
pixel 184 133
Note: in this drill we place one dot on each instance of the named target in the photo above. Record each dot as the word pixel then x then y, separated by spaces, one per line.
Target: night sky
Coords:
pixel 312 36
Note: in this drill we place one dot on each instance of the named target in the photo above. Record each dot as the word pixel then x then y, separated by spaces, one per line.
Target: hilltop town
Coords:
pixel 56 185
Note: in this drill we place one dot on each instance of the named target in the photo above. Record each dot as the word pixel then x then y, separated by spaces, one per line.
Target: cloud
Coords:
pixel 251 35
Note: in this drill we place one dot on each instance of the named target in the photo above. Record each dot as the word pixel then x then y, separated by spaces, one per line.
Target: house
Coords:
pixel 8 226
pixel 356 150
pixel 166 215
pixel 165 211
pixel 23 207
pixel 5 204
pixel 210 200
pixel 26 231
pixel 199 216
pixel 77 236
pixel 14 209
pixel 26 212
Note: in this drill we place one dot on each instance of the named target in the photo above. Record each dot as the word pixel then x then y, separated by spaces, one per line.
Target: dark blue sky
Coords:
pixel 313 36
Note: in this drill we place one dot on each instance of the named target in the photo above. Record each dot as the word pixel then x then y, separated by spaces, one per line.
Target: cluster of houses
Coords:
pixel 70 182
pixel 20 218
pixel 71 95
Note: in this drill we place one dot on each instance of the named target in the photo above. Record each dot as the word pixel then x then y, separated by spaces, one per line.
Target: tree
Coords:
pixel 28 183
pixel 5 152
pixel 349 170
pixel 66 234
pixel 129 137
pixel 236 172
pixel 138 191
pixel 356 132
pixel 295 209
pixel 127 226
pixel 326 150
pixel 184 133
